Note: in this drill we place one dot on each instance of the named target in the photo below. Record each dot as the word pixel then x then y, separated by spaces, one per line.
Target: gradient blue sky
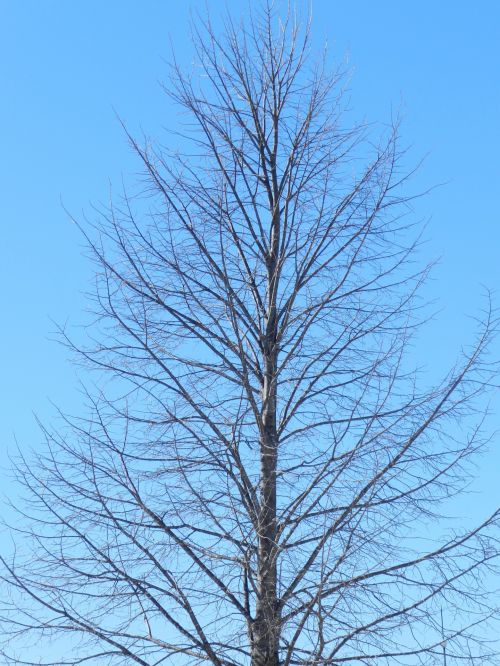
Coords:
pixel 65 65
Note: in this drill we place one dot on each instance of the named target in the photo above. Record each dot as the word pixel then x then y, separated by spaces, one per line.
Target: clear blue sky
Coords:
pixel 66 64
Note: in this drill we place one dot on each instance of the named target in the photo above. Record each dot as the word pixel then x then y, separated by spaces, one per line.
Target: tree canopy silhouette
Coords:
pixel 256 485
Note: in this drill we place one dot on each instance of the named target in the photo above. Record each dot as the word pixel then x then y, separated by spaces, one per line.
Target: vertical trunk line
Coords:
pixel 266 630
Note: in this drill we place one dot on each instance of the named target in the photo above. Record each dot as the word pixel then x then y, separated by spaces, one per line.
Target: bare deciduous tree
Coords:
pixel 261 481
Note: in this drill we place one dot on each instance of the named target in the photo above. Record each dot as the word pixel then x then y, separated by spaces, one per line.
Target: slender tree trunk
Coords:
pixel 266 625
pixel 266 630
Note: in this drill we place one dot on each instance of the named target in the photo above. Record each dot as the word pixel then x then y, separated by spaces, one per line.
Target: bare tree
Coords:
pixel 261 481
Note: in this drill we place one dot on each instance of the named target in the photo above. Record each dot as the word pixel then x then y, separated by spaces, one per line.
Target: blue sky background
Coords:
pixel 65 65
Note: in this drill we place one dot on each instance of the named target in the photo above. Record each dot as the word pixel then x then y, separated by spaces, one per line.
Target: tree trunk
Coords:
pixel 266 624
pixel 266 627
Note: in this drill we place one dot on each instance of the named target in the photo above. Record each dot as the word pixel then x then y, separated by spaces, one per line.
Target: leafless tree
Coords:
pixel 261 481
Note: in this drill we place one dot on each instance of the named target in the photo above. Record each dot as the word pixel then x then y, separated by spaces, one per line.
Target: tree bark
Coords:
pixel 266 625
pixel 266 629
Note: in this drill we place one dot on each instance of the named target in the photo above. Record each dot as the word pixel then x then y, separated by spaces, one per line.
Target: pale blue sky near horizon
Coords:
pixel 67 68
